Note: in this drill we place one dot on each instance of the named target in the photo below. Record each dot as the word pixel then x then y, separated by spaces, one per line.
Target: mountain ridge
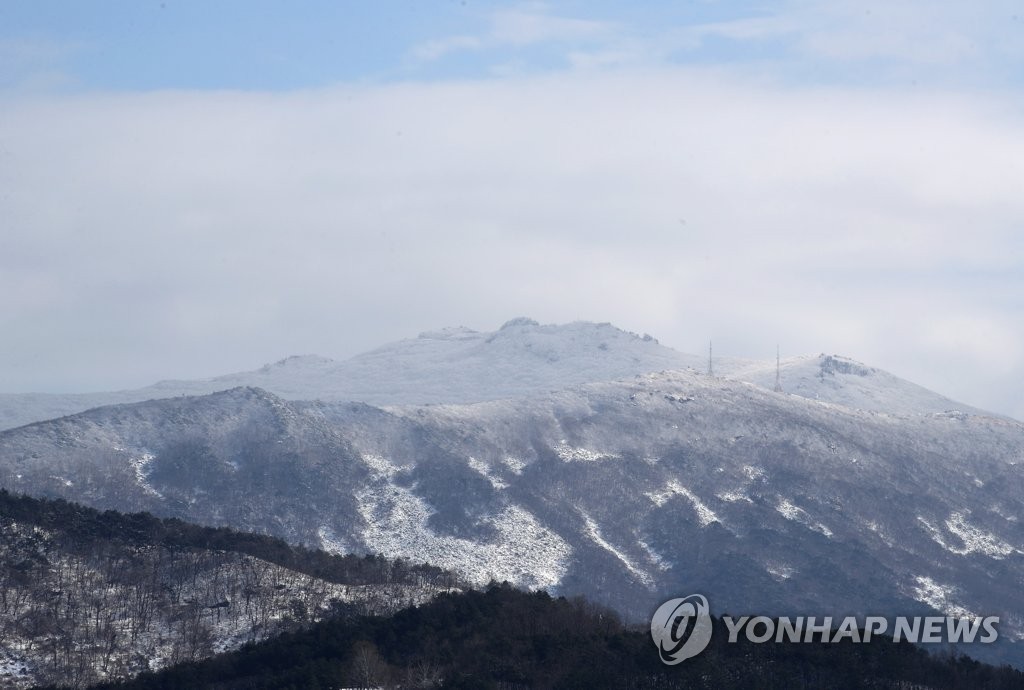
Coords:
pixel 521 358
pixel 625 491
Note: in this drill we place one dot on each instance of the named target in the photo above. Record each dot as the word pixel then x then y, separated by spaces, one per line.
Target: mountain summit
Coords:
pixel 522 358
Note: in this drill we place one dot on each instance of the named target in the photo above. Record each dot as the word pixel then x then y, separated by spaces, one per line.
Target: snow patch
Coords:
pixel 380 466
pixel 524 552
pixel 928 591
pixel 658 559
pixel 569 453
pixel 780 571
pixel 485 469
pixel 974 540
pixel 514 464
pixel 15 668
pixel 880 533
pixel 704 514
pixel 594 531
pixel 140 465
pixel 1001 512
pixel 331 542
pixel 753 472
pixel 790 511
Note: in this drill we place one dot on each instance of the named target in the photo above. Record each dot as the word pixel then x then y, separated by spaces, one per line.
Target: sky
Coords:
pixel 194 188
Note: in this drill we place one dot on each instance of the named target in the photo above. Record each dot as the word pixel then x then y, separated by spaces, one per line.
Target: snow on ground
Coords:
pixel 15 669
pixel 658 559
pixel 704 514
pixel 753 472
pixel 974 540
pixel 331 542
pixel 485 469
pixel 569 453
pixel 380 466
pixel 928 591
pixel 140 465
pixel 1001 512
pixel 780 571
pixel 524 552
pixel 514 464
pixel 523 358
pixel 226 599
pixel 594 531
pixel 790 511
pixel 878 531
pixel 851 384
pixel 977 540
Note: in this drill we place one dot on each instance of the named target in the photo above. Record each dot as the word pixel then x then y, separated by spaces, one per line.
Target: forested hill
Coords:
pixel 87 596
pixel 87 527
pixel 505 638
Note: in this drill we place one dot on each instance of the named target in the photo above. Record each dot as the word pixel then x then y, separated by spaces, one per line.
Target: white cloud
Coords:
pixel 518 26
pixel 904 42
pixel 184 234
pixel 533 23
pixel 940 33
pixel 436 49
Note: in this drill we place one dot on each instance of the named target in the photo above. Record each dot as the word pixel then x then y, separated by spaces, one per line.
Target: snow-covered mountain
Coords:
pixel 843 381
pixel 625 491
pixel 522 358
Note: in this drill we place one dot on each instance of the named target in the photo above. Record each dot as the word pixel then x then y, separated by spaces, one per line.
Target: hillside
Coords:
pixel 88 596
pixel 502 638
pixel 626 492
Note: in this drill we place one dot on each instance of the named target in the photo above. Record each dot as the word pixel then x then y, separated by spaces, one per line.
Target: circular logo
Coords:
pixel 681 628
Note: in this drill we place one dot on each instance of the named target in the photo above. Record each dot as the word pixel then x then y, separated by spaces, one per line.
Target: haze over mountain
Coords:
pixel 459 365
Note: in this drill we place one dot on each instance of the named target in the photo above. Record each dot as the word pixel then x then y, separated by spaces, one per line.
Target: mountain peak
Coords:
pixel 297 361
pixel 835 364
pixel 449 333
pixel 522 358
pixel 518 321
pixel 573 332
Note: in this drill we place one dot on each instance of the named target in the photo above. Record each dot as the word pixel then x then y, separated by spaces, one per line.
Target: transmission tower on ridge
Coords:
pixel 711 371
pixel 778 372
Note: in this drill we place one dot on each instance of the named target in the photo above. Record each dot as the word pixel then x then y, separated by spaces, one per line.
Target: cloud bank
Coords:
pixel 174 234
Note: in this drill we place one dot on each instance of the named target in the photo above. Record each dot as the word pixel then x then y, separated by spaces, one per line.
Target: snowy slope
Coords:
pixel 627 492
pixel 77 614
pixel 523 358
pixel 453 365
pixel 843 381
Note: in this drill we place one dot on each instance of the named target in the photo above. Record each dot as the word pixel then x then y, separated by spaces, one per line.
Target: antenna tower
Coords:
pixel 778 372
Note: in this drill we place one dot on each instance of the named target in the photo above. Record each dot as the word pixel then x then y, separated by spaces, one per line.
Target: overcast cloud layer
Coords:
pixel 162 234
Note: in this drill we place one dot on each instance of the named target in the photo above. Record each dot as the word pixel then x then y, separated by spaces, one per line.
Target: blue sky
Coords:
pixel 273 45
pixel 193 188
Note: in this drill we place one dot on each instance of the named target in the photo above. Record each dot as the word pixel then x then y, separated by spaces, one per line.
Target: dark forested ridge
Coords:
pixel 84 527
pixel 88 596
pixel 505 638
